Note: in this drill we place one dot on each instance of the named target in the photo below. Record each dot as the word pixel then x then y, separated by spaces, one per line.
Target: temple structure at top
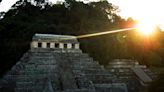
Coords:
pixel 54 41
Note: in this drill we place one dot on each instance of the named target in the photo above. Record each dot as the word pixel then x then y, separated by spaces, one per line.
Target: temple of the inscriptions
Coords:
pixel 54 41
pixel 55 63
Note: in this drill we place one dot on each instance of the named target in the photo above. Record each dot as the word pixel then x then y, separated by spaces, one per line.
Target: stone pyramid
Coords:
pixel 56 64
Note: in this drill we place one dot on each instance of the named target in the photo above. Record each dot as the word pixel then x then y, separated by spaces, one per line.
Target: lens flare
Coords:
pixel 146 28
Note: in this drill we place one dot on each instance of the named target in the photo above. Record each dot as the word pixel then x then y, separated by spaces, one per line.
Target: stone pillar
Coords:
pixel 44 45
pixel 34 44
pixel 69 46
pixel 77 46
pixel 61 45
pixel 52 45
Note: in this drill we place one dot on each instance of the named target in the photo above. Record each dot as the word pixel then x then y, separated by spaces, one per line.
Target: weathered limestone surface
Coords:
pixel 136 76
pixel 51 67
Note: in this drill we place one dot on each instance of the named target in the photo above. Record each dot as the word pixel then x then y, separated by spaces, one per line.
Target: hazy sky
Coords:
pixel 6 4
pixel 139 9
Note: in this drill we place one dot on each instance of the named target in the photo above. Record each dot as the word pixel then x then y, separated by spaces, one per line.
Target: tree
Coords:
pixel 158 84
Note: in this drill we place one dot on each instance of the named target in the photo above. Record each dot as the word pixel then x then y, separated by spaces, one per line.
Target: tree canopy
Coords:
pixel 158 84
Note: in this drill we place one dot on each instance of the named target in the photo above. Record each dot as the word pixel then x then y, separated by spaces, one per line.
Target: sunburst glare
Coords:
pixel 146 28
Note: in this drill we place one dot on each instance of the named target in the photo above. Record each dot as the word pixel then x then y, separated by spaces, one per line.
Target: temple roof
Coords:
pixel 53 37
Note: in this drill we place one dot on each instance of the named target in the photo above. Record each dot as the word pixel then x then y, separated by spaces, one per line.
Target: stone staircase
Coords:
pixel 57 70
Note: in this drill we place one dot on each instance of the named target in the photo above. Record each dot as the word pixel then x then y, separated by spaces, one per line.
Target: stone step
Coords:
pixel 23 89
pixel 42 61
pixel 99 76
pixel 41 53
pixel 43 50
pixel 87 71
pixel 77 59
pixel 27 72
pixel 86 67
pixel 80 90
pixel 75 55
pixel 42 57
pixel 24 83
pixel 101 81
pixel 86 63
pixel 95 72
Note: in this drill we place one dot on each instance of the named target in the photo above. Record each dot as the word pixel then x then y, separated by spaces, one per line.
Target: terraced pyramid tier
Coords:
pixel 58 66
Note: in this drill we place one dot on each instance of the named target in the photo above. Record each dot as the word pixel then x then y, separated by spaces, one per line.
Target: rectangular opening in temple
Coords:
pixel 48 45
pixel 56 45
pixel 65 45
pixel 73 46
pixel 39 45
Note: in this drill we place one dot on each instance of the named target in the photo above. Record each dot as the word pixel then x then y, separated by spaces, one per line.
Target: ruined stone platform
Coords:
pixel 55 63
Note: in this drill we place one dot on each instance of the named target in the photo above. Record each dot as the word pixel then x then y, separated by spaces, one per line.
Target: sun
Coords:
pixel 146 28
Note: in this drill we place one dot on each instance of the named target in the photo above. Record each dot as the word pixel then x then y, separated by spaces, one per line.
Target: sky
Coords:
pixel 142 10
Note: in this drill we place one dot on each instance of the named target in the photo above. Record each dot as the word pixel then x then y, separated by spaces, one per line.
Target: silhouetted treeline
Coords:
pixel 20 23
pixel 158 84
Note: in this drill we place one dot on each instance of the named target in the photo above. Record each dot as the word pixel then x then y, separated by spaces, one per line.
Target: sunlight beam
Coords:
pixel 103 33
